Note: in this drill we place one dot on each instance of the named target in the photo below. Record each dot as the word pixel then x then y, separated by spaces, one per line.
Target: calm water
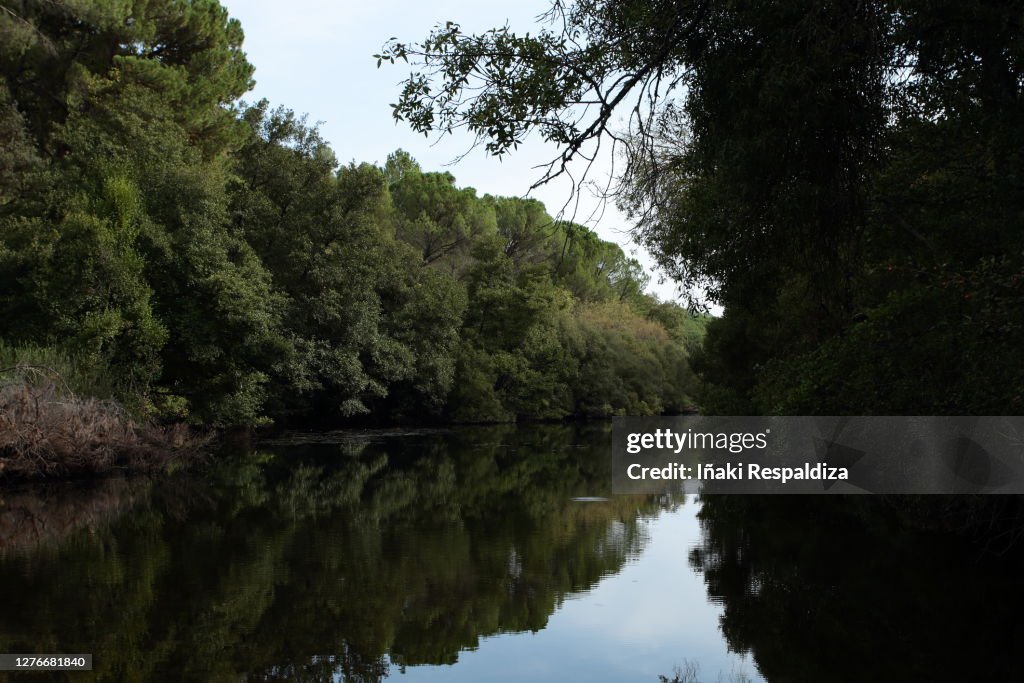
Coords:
pixel 467 555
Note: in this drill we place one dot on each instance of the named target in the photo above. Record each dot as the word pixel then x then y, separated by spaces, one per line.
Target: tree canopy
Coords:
pixel 841 177
pixel 213 261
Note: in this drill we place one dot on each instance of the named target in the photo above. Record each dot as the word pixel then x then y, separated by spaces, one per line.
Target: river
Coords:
pixel 484 554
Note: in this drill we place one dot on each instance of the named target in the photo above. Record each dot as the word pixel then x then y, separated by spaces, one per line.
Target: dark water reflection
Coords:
pixel 845 589
pixel 318 561
pixel 462 555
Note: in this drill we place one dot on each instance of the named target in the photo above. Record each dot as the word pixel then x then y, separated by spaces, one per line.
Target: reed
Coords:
pixel 48 431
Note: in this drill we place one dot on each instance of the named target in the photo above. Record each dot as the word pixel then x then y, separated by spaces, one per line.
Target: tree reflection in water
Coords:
pixel 842 589
pixel 330 560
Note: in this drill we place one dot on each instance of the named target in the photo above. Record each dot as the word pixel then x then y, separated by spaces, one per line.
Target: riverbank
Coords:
pixel 49 432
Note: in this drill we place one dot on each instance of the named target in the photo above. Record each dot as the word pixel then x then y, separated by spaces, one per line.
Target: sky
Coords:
pixel 316 57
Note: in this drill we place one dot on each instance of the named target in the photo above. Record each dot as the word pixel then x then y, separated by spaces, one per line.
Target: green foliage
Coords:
pixel 80 374
pixel 441 221
pixel 626 366
pixel 919 312
pixel 820 169
pixel 128 255
pixel 938 348
pixel 216 263
pixel 828 175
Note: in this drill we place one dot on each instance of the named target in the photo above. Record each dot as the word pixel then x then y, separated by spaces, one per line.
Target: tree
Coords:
pixel 127 104
pixel 441 221
pixel 212 261
pixel 805 163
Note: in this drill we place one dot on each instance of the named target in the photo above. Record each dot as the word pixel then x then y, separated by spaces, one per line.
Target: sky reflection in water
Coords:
pixel 634 625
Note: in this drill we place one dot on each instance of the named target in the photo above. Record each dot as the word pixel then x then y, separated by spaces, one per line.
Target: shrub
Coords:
pixel 46 430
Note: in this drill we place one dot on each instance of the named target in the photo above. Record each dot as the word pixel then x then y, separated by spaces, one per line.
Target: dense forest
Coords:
pixel 843 178
pixel 197 258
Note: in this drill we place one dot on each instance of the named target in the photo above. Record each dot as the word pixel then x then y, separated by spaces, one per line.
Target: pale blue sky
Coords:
pixel 315 56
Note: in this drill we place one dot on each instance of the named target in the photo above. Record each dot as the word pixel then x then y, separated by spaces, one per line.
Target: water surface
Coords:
pixel 492 554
